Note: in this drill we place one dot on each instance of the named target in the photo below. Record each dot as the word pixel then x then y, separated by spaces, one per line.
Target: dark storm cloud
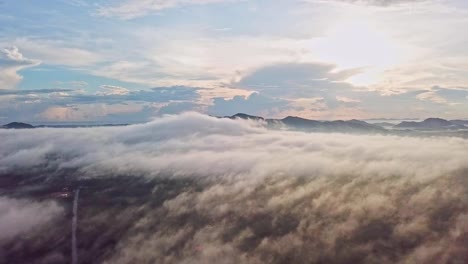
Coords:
pixel 253 195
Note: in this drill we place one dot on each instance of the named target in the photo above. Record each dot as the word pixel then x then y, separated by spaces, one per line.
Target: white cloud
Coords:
pixel 345 99
pixel 113 90
pixel 128 9
pixel 14 54
pixel 18 216
pixel 374 2
pixel 72 84
pixel 392 46
pixel 196 58
pixel 432 96
pixel 60 52
pixel 155 137
pixel 87 112
pixel 388 44
pixel 12 61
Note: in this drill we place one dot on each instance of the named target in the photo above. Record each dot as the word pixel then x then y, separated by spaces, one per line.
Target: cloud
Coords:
pixel 255 103
pixel 13 54
pixel 333 97
pixel 251 195
pixel 374 2
pixel 67 52
pixel 130 9
pixel 117 94
pixel 109 104
pixel 431 96
pixel 97 112
pixel 384 2
pixel 209 60
pixel 76 3
pixel 177 108
pixel 74 84
pixel 36 91
pixel 297 80
pixel 19 216
pixel 444 96
pixel 12 61
pixel 344 99
pixel 291 83
pixel 113 90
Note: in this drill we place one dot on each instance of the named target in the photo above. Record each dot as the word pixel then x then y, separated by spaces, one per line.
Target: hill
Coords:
pixel 17 125
pixel 431 123
pixel 299 123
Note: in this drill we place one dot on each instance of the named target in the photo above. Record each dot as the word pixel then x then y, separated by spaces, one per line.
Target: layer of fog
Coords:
pixel 19 216
pixel 267 196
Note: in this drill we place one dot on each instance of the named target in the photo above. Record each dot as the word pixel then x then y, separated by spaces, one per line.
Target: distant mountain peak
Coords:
pixel 295 118
pixel 246 116
pixel 18 125
pixel 437 121
pixel 430 123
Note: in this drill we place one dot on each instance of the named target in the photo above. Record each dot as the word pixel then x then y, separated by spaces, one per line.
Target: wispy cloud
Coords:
pixel 132 9
pixel 373 2
pixel 59 53
pixel 38 91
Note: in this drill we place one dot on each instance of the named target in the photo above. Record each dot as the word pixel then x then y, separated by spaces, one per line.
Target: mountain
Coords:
pixel 17 125
pixel 245 116
pixel 299 123
pixel 431 123
pixel 460 122
pixel 330 126
pixel 80 125
pixel 384 124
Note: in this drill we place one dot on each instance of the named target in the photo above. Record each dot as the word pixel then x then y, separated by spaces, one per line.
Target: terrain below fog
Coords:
pixel 197 189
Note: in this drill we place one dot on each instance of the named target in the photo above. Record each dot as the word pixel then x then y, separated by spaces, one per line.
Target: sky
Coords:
pixel 123 61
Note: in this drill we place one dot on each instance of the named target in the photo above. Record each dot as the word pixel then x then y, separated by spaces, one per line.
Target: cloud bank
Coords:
pixel 252 195
pixel 18 216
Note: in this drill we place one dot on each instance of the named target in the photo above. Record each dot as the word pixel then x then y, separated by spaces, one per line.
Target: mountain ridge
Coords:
pixel 304 124
pixel 433 123
pixel 301 123
pixel 17 125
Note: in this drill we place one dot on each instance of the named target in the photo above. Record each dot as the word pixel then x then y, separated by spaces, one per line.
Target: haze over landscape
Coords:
pixel 233 131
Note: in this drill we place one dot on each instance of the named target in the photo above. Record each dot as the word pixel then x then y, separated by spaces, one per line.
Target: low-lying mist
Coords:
pixel 253 195
pixel 18 216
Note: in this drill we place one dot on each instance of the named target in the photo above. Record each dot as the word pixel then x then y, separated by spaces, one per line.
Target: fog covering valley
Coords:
pixel 191 188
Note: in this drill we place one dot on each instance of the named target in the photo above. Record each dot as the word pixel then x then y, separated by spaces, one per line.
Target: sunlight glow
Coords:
pixel 359 44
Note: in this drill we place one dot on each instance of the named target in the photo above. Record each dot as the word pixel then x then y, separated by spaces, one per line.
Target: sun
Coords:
pixel 358 44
